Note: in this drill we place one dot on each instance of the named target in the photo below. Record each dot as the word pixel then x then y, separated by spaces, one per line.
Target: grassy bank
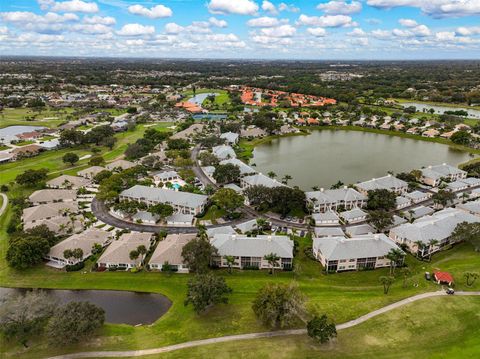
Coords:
pixel 443 104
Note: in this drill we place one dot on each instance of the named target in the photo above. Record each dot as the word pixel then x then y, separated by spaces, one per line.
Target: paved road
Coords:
pixel 229 338
pixel 4 203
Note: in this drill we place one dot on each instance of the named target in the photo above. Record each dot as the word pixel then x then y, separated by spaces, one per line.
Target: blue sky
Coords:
pixel 306 29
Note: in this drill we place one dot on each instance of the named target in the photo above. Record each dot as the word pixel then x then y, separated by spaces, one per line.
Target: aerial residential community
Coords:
pixel 183 187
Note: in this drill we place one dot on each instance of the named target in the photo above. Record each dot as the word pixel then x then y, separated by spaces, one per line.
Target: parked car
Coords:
pixel 428 276
pixel 450 291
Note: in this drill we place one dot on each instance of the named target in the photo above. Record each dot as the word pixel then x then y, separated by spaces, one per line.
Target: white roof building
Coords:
pixel 182 202
pixel 223 152
pixel 388 182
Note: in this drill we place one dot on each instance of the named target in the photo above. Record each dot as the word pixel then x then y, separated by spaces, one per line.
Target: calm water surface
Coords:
pixel 441 109
pixel 324 157
pixel 198 99
pixel 120 307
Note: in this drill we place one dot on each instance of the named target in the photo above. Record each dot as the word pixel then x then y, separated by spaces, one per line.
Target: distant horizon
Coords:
pixel 243 29
pixel 4 56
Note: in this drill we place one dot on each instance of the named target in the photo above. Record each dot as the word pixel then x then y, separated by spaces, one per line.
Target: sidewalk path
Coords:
pixel 229 338
pixel 4 203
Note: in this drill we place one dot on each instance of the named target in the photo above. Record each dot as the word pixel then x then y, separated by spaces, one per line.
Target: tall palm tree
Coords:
pixel 142 250
pixel 286 178
pixel 271 174
pixel 420 248
pixel 431 244
pixel 395 256
pixel 261 224
pixel 202 231
pixel 134 256
pixel 230 262
pixel 272 259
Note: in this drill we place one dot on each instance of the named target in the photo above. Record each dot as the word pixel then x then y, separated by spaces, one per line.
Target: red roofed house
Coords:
pixel 443 278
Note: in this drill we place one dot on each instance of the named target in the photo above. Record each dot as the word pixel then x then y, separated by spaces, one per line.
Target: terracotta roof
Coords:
pixel 443 277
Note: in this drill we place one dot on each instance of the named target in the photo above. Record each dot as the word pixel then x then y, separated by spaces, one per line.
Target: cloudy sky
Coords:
pixel 255 29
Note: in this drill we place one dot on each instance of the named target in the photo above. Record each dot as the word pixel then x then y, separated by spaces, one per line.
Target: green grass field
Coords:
pixel 52 160
pixel 342 296
pixel 48 118
pixel 432 328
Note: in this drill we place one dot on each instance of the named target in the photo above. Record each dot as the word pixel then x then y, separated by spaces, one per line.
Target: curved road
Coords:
pixel 229 338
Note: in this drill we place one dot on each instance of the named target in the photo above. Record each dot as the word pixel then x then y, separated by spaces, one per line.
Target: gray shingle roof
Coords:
pixel 51 195
pixel 362 246
pixel 388 182
pixel 165 196
pixel 331 196
pixel 259 246
pixel 244 168
pixel 223 152
pixel 329 231
pixel 170 249
pixel 438 226
pixel 262 180
pixel 220 230
pixel 352 214
pixel 473 207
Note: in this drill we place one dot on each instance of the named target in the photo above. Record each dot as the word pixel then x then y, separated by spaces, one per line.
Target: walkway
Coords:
pixel 4 203
pixel 229 338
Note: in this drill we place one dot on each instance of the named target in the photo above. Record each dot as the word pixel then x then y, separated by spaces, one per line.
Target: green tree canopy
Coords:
pixel 321 329
pixel 74 322
pixel 205 290
pixel 279 305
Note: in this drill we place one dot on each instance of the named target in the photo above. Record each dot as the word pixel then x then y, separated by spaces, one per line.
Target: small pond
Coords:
pixel 441 109
pixel 121 307
pixel 9 133
pixel 199 98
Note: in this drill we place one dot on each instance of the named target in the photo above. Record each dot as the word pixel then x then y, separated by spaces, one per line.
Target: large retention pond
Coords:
pixel 120 307
pixel 325 157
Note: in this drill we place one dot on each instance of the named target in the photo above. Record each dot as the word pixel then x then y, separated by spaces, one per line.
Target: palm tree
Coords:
pixel 272 259
pixel 142 250
pixel 395 256
pixel 134 256
pixel 230 262
pixel 420 248
pixel 202 231
pixel 271 174
pixel 67 254
pixel 261 224
pixel 406 272
pixel 387 282
pixel 431 244
pixel 286 178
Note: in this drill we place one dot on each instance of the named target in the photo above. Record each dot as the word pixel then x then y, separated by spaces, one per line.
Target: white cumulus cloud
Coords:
pixel 340 7
pixel 135 30
pixel 75 6
pixel 317 31
pixel 156 12
pixel 239 7
pixel 280 31
pixel 217 22
pixel 326 21
pixel 264 21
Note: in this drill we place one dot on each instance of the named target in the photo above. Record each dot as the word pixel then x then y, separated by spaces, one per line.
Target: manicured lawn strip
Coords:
pixel 432 328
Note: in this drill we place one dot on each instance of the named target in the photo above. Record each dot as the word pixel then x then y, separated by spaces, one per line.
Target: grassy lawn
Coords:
pixel 449 322
pixel 47 118
pixel 342 296
pixel 213 213
pixel 52 160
